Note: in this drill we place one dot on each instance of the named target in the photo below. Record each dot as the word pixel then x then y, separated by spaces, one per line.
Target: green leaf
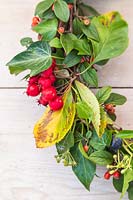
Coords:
pixel 26 41
pixel 82 46
pixel 43 6
pixel 90 76
pixel 65 144
pixel 83 110
pixel 47 28
pixel 67 41
pixel 55 43
pixel 118 183
pixel 72 59
pixel 85 169
pixel 130 191
pixel 77 26
pixel 103 94
pixel 128 177
pixel 125 134
pixel 49 14
pixel 87 10
pixel 61 10
pixel 89 98
pixel 36 58
pixel 53 126
pixel 101 157
pixel 103 142
pixel 113 34
pixel 116 99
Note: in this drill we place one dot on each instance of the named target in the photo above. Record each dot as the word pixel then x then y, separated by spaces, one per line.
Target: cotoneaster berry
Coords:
pixel 70 6
pixel 33 90
pixel 86 148
pixel 116 175
pixel 61 30
pixel 107 175
pixel 49 94
pixel 56 104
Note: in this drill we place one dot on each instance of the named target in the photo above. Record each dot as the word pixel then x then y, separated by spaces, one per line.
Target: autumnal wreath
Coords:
pixel 73 41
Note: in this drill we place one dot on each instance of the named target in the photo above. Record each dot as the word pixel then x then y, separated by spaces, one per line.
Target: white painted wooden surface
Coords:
pixel 27 173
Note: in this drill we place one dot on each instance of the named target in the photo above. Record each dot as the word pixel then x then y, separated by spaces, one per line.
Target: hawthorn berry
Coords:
pixel 33 79
pixel 116 175
pixel 47 72
pixel 44 82
pixel 86 148
pixel 56 104
pixel 53 63
pixel 61 30
pixel 33 90
pixel 43 101
pixel 52 78
pixel 49 94
pixel 107 175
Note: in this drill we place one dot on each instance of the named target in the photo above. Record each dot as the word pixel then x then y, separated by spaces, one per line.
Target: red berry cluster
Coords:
pixel 109 108
pixel 44 84
pixel 116 175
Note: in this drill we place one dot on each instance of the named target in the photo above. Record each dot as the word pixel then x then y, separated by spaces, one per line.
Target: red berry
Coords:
pixel 35 20
pixel 49 94
pixel 45 83
pixel 43 101
pixel 107 175
pixel 33 90
pixel 111 111
pixel 47 72
pixel 56 104
pixel 86 148
pixel 33 79
pixel 33 24
pixel 52 78
pixel 61 30
pixel 82 60
pixel 116 175
pixel 70 6
pixel 108 106
pixel 53 64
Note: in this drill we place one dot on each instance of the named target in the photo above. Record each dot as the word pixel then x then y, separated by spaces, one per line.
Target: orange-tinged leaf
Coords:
pixel 53 126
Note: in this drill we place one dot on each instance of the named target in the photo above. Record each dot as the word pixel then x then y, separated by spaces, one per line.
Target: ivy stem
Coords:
pixel 57 57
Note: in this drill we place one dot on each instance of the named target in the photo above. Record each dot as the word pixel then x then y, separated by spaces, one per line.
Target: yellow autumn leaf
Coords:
pixel 53 126
pixel 89 98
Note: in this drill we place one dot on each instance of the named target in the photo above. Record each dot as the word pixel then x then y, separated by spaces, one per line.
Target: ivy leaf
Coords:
pixel 90 76
pixel 61 10
pixel 53 126
pixel 65 144
pixel 43 6
pixel 72 59
pixel 86 10
pixel 101 157
pixel 47 28
pixel 116 99
pixel 67 41
pixel 85 169
pixel 36 58
pixel 113 34
pixel 125 134
pixel 103 94
pixel 55 43
pixel 89 98
pixel 128 177
pixel 84 111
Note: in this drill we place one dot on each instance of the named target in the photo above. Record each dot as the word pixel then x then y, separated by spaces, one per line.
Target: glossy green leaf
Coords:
pixel 130 191
pixel 85 169
pixel 36 58
pixel 55 43
pixel 82 46
pixel 61 10
pixel 101 157
pixel 72 59
pixel 118 183
pixel 43 6
pixel 128 177
pixel 89 98
pixel 113 34
pixel 103 94
pixel 116 99
pixel 47 28
pixel 67 41
pixel 65 144
pixel 86 10
pixel 125 134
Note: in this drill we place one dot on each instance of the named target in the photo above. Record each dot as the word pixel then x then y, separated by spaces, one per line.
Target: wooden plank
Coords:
pixel 16 24
pixel 30 173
